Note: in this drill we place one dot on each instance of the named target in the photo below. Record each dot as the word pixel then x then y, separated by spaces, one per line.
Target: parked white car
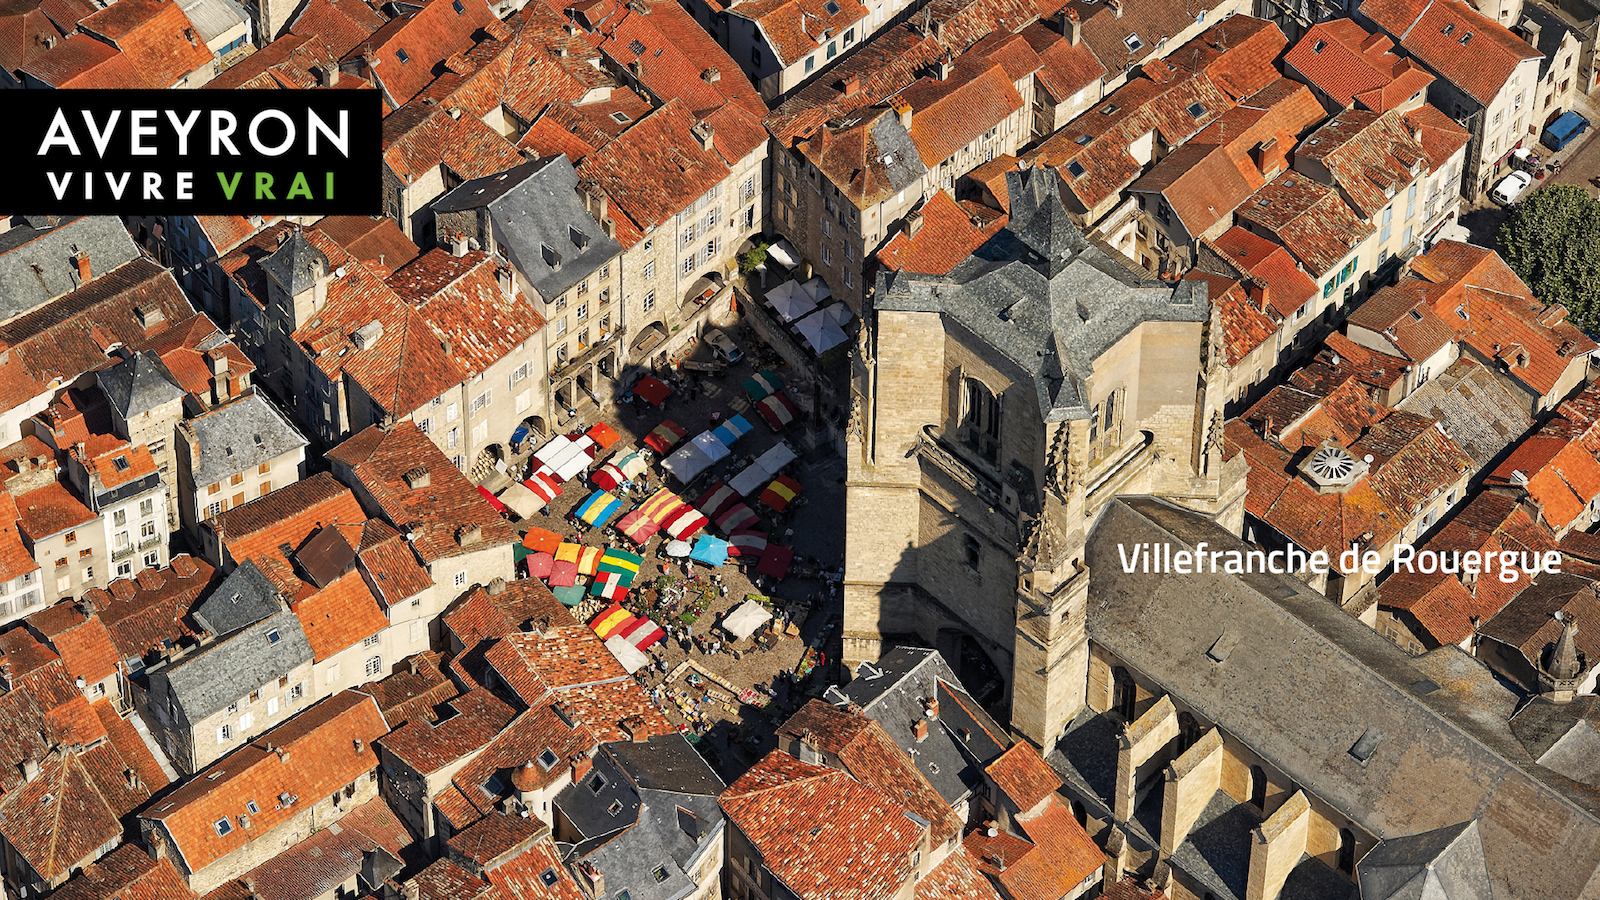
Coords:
pixel 1511 187
pixel 724 345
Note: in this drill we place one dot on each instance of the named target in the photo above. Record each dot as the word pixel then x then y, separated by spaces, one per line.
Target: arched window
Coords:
pixel 1124 693
pixel 1189 731
pixel 980 419
pixel 1258 788
pixel 1347 851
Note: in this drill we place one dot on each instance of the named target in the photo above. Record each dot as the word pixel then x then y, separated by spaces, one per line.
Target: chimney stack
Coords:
pixel 852 85
pixel 903 110
pixel 458 244
pixel 1071 26
pixel 81 258
pixel 1116 7
pixel 920 730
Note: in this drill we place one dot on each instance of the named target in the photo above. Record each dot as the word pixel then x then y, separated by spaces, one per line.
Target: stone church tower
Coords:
pixel 995 412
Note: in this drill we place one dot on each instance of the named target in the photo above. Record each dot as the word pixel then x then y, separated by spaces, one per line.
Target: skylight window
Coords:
pixel 460 10
pixel 636 47
pixel 223 826
pixel 401 55
pixel 1416 316
pixel 1319 46
pixel 615 807
pixel 252 808
pixel 1076 169
pixel 548 759
pixel 1083 140
pixel 549 877
pixel 1196 110
pixel 1466 37
pixel 659 873
pixel 1109 108
pixel 121 462
pixel 1366 745
pixel 621 118
pixel 831 7
pixel 597 783
pixel 1133 42
pixel 273 636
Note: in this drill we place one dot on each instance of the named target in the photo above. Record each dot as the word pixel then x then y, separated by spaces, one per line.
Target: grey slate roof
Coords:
pixel 239 437
pixel 36 263
pixel 233 667
pixel 1305 681
pixel 652 784
pixel 1563 736
pixel 890 692
pixel 296 264
pixel 538 218
pixel 1444 864
pixel 1552 29
pixel 1045 296
pixel 243 598
pixel 1475 409
pixel 137 385
pixel 903 161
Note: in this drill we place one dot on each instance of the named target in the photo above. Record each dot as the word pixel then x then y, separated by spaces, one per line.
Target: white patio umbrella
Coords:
pixel 789 301
pixel 821 332
pixel 817 290
pixel 678 549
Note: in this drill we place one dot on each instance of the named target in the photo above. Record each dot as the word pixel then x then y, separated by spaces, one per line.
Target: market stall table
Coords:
pixel 747 544
pixel 632 658
pixel 745 619
pixel 729 432
pixel 598 508
pixel 737 517
pixel 781 492
pixel 603 435
pixel 777 410
pixel 638 527
pixel 762 383
pixel 652 389
pixel 665 436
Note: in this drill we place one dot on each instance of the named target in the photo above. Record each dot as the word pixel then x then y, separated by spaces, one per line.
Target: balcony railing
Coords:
pixel 122 553
pixel 931 448
pixel 151 541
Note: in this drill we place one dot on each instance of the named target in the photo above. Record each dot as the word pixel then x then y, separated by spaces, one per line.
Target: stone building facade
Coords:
pixel 1063 380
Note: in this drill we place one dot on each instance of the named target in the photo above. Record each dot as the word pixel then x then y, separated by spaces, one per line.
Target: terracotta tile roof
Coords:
pixel 547 137
pixel 678 59
pixel 82 641
pixel 50 510
pixel 793 28
pixel 243 263
pixel 1403 315
pixel 186 350
pixel 1244 325
pixel 340 615
pixel 474 720
pixel 440 516
pixel 314 754
pixel 1413 460
pixel 25 33
pixel 1271 265
pixel 462 298
pixel 993 854
pixel 880 67
pixel 1023 775
pixel 1438 134
pixel 393 570
pixel 156 37
pixel 1349 64
pixel 956 878
pixel 823 834
pixel 15 560
pixel 414 691
pixel 1466 48
pixel 80 61
pixel 374 240
pixel 944 237
pixel 127 873
pixel 227 232
pixel 569 666
pixel 1493 312
pixel 474 618
pixel 132 749
pixel 58 821
pixel 329 857
pixel 656 168
pixel 1340 360
pixel 1064 68
pixel 416 139
pixel 1308 218
pixel 563 656
pixel 1370 155
pixel 536 730
pixel 1228 62
pixel 115 462
pixel 139 619
pixel 950 114
pixel 288 515
pixel 401 55
pixel 444 880
pixel 71 335
pixel 340 24
pixel 1063 856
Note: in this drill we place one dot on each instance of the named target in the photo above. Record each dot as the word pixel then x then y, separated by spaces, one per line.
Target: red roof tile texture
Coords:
pixel 956 878
pixel 944 236
pixel 426 746
pixel 1023 775
pixel 156 37
pixel 401 55
pixel 1353 66
pixel 823 834
pixel 80 61
pixel 447 517
pixel 141 619
pixel 1471 51
pixel 127 873
pixel 313 755
pixel 1062 858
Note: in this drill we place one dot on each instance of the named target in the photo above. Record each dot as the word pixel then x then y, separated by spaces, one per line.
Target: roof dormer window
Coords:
pixel 1448 28
pixel 402 56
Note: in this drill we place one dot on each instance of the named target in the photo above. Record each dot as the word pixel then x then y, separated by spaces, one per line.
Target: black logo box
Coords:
pixel 247 152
